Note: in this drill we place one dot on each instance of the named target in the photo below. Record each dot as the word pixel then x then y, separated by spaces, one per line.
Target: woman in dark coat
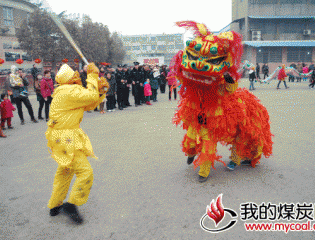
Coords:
pixel 110 95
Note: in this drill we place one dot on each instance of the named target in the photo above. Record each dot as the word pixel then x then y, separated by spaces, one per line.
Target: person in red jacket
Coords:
pixel 6 111
pixel 171 85
pixel 46 90
pixel 147 92
pixel 281 76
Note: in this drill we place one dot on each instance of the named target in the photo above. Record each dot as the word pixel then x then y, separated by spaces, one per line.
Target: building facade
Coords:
pixel 160 47
pixel 12 14
pixel 276 31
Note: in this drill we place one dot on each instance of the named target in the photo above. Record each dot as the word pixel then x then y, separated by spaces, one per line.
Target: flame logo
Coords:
pixel 216 210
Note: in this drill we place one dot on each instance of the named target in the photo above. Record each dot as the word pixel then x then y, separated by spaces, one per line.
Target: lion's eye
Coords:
pixel 216 61
pixel 191 57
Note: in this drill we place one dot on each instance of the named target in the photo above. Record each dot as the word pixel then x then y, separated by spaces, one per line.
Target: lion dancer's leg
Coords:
pixel 236 159
pixel 189 144
pixel 194 144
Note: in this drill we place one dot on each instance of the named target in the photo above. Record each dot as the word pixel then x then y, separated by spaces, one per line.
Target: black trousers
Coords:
pixel 137 93
pixel 162 88
pixel 27 103
pixel 120 96
pixel 110 103
pixel 312 84
pixel 266 75
pixel 170 94
pixel 142 97
pixel 126 96
pixel 154 94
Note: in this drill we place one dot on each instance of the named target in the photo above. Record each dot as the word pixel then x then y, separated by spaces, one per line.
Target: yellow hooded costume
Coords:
pixel 68 143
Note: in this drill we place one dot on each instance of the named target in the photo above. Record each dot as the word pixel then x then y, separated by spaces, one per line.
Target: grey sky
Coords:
pixel 133 17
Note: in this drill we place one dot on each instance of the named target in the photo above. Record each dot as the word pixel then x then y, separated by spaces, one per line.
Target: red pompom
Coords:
pixel 37 60
pixel 65 60
pixel 1 61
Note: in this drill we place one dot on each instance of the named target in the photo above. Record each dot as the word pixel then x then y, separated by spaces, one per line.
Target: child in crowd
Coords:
pixel 252 77
pixel 147 92
pixel 6 111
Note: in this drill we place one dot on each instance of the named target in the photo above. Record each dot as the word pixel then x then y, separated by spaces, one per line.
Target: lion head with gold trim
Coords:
pixel 208 57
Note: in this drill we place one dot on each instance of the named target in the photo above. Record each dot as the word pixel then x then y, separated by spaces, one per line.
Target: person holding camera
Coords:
pixel 19 83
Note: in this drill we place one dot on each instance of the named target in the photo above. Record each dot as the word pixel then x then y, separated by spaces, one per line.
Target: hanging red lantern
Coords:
pixel 65 60
pixel 19 61
pixel 37 60
pixel 1 61
pixel 76 60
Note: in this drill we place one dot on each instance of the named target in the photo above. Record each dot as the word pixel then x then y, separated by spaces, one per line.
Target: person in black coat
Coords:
pixel 265 70
pixel 312 80
pixel 257 71
pixel 110 95
pixel 163 76
pixel 137 82
pixel 121 85
pixel 291 77
pixel 128 82
pixel 34 72
pixel 83 76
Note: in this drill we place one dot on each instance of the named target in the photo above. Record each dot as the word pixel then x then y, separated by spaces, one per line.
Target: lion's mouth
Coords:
pixel 198 78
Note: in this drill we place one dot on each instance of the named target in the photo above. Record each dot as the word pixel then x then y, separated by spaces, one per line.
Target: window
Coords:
pixel 153 47
pixel 264 1
pixel 136 47
pixel 11 56
pixel 299 54
pixel 27 57
pixel 272 54
pixel 161 47
pixel 16 45
pixel 7 46
pixel 153 39
pixel 179 46
pixel 144 47
pixel 8 16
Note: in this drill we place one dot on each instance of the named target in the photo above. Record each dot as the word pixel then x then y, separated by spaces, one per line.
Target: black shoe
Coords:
pixel 190 160
pixel 47 120
pixel 121 108
pixel 3 128
pixel 22 122
pixel 202 179
pixel 55 211
pixel 10 127
pixel 72 212
pixel 40 118
pixel 34 120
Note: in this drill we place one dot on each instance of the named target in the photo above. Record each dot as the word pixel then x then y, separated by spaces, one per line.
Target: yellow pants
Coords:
pixel 234 157
pixel 82 185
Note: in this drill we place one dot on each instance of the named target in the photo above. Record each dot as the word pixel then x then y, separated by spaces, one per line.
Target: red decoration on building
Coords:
pixel 1 61
pixel 76 60
pixel 19 61
pixel 65 60
pixel 37 60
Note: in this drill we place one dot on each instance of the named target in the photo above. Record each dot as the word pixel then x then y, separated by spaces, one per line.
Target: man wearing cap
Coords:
pixel 69 145
pixel 137 80
pixel 120 81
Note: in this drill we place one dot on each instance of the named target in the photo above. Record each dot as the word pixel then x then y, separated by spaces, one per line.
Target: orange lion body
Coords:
pixel 212 108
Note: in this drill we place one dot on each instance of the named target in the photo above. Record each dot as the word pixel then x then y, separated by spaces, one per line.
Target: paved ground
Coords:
pixel 143 188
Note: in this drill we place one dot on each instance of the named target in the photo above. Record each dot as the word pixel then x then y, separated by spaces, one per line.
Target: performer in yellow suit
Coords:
pixel 69 145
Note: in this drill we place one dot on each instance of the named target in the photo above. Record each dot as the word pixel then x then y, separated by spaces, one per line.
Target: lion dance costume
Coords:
pixel 212 108
pixel 69 145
